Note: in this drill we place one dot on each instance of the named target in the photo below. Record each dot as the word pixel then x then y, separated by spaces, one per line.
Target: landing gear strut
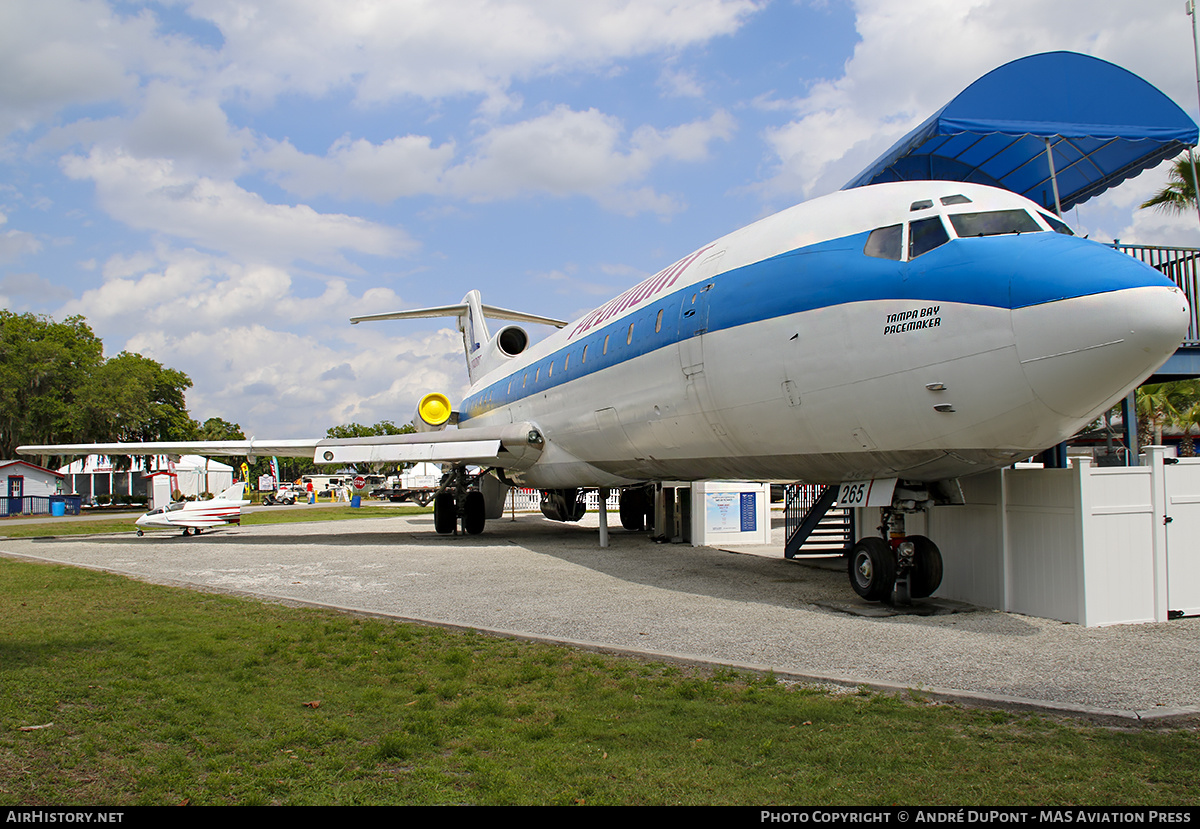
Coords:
pixel 895 568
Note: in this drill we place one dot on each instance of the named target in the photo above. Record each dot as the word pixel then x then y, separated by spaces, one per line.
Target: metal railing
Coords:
pixel 825 529
pixel 37 504
pixel 1180 266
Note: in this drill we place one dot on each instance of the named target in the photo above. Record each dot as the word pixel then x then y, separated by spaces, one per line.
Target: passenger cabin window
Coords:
pixel 605 350
pixel 885 242
pixel 1058 225
pixel 658 322
pixel 583 358
pixel 629 336
pixel 993 223
pixel 924 235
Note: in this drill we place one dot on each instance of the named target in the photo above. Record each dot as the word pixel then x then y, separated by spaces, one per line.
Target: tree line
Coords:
pixel 56 386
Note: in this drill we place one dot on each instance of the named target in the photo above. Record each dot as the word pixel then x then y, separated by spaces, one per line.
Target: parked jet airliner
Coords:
pixel 901 335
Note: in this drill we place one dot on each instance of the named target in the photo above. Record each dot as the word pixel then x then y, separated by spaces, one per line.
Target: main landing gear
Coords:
pixel 459 499
pixel 637 508
pixel 896 568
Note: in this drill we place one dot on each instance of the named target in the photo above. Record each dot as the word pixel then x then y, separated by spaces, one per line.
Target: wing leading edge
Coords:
pixel 512 446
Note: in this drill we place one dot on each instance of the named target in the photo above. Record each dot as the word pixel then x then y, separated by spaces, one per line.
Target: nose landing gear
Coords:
pixel 895 569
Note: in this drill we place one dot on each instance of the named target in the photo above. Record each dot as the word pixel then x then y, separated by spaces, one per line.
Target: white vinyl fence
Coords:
pixel 1089 545
pixel 530 500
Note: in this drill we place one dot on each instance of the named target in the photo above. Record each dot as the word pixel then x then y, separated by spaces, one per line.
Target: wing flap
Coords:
pixel 477 452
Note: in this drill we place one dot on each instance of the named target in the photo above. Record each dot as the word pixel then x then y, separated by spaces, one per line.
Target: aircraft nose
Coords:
pixel 1082 353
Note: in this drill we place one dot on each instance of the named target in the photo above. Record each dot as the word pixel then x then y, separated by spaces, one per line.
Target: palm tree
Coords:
pixel 1166 404
pixel 1180 193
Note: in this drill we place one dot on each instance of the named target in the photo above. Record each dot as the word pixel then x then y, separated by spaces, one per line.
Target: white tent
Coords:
pixel 192 475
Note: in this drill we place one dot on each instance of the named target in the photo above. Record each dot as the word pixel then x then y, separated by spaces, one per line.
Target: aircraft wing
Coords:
pixel 511 446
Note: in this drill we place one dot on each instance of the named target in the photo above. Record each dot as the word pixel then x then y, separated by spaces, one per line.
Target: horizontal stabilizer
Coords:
pixel 460 310
pixel 479 348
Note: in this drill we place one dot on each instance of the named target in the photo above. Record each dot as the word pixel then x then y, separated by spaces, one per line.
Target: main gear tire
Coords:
pixel 445 513
pixel 872 569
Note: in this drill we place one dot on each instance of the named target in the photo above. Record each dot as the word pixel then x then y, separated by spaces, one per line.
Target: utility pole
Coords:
pixel 1190 7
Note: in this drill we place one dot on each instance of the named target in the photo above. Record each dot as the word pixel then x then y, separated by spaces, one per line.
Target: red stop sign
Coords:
pixel 360 482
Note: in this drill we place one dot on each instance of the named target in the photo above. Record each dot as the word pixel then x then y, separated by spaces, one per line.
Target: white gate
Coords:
pixel 1183 536
pixel 1089 545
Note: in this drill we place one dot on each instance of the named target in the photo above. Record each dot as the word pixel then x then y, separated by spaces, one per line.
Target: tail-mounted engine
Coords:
pixel 508 342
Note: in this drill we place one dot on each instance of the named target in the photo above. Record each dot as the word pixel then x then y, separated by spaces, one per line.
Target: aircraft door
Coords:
pixel 693 324
pixel 16 491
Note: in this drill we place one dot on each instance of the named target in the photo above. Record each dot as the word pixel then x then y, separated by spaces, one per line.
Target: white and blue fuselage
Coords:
pixel 921 330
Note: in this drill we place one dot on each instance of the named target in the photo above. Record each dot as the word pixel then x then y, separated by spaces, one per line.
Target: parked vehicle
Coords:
pixel 283 496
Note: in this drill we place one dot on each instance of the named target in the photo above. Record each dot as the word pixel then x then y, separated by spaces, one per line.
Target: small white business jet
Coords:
pixel 194 516
pixel 888 339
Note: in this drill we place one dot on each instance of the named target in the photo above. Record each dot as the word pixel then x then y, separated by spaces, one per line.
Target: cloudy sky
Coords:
pixel 221 184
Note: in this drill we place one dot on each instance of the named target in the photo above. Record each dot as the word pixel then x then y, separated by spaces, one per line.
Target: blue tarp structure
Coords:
pixel 1105 125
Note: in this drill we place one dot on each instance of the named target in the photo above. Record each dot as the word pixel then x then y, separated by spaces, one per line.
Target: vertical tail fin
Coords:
pixel 234 493
pixel 474 329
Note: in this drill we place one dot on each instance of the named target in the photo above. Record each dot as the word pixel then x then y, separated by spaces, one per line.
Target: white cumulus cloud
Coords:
pixel 151 195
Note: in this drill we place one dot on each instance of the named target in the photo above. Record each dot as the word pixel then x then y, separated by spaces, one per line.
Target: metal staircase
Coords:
pixel 814 526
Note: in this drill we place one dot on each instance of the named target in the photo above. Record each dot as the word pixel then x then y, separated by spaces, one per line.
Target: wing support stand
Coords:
pixel 603 493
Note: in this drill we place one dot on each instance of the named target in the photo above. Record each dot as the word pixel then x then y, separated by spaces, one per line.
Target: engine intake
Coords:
pixel 512 340
pixel 433 413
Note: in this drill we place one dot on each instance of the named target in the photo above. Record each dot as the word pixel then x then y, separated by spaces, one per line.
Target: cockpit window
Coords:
pixel 885 242
pixel 957 198
pixel 923 204
pixel 993 223
pixel 1057 225
pixel 924 235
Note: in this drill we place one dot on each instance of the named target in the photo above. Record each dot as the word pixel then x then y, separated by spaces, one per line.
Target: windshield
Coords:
pixel 994 223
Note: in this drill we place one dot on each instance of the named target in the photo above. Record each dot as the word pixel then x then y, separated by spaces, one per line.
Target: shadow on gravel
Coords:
pixel 820 586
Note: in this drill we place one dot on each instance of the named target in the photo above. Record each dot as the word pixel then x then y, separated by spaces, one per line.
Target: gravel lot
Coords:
pixel 537 579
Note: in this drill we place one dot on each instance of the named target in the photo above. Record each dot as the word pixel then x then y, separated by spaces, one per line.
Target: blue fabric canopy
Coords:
pixel 1105 125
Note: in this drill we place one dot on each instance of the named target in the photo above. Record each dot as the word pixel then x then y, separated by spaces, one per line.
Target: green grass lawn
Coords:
pixel 124 522
pixel 142 694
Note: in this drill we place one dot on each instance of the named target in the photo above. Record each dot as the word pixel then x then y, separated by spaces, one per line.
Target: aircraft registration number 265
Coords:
pixel 873 493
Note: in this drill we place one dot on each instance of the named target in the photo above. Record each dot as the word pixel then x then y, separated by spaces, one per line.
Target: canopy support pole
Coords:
pixel 1195 182
pixel 1053 179
pixel 1190 7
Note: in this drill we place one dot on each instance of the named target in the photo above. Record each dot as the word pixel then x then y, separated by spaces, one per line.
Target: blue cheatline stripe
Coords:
pixel 997 271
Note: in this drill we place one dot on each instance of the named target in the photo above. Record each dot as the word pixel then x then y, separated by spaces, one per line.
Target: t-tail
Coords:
pixel 483 350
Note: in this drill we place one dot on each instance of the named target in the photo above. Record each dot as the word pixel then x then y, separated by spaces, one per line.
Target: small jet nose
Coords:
pixel 1082 353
